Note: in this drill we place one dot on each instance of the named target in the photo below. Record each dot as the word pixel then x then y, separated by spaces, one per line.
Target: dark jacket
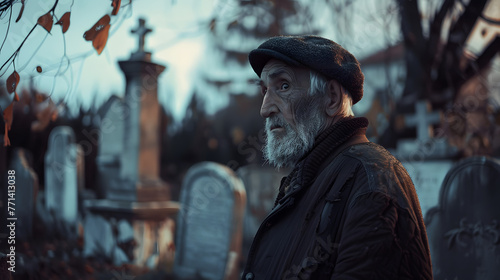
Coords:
pixel 348 210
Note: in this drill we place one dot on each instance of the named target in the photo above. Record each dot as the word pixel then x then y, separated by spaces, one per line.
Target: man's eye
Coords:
pixel 284 86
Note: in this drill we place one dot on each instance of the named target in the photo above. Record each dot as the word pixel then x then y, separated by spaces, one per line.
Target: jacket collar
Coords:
pixel 328 144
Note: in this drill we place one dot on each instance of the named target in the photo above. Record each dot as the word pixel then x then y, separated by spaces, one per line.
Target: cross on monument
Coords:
pixel 141 32
pixel 423 120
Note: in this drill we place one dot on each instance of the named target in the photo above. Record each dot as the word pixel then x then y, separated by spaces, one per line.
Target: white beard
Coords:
pixel 284 148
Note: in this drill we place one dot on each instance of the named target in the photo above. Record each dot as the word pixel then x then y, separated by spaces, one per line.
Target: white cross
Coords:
pixel 423 120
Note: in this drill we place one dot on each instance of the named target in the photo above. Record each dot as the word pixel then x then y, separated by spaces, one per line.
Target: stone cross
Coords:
pixel 141 32
pixel 422 120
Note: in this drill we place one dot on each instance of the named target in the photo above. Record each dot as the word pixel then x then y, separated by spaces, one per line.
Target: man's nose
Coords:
pixel 268 107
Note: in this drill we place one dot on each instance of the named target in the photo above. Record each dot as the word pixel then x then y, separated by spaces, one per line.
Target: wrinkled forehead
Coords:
pixel 278 69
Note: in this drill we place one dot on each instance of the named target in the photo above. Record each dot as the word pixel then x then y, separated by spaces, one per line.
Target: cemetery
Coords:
pixel 112 194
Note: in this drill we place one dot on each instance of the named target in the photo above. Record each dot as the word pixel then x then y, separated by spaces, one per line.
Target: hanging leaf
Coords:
pixel 212 24
pixel 90 34
pixel 46 21
pixel 116 6
pixel 233 24
pixel 100 40
pixel 21 11
pixel 39 69
pixel 64 22
pixel 7 118
pixel 12 82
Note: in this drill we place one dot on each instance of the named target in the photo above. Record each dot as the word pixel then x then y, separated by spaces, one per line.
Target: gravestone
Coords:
pixel 25 195
pixel 463 229
pixel 209 224
pixel 99 239
pixel 112 115
pixel 427 177
pixel 104 238
pixel 61 190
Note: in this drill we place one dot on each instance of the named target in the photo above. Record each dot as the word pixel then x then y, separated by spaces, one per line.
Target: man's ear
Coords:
pixel 334 98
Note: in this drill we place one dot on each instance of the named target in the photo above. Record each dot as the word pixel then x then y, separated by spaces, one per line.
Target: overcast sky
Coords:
pixel 177 41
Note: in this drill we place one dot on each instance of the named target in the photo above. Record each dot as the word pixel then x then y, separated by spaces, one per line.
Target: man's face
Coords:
pixel 282 87
pixel 293 116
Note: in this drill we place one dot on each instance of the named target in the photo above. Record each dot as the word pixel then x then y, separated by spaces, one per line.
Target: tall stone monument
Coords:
pixel 136 195
pixel 140 163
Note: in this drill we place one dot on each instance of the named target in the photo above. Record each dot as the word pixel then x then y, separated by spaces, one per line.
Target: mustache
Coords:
pixel 275 121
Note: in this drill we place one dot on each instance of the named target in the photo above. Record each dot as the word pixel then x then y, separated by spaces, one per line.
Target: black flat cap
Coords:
pixel 317 53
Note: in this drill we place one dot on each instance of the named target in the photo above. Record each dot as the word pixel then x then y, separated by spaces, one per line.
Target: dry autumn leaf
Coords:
pixel 90 34
pixel 64 22
pixel 21 11
pixel 116 6
pixel 98 34
pixel 7 118
pixel 46 21
pixel 100 40
pixel 12 82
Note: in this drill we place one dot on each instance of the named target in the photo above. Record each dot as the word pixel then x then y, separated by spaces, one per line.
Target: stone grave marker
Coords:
pixel 110 146
pixel 427 177
pixel 25 195
pixel 463 229
pixel 61 190
pixel 209 223
pixel 99 239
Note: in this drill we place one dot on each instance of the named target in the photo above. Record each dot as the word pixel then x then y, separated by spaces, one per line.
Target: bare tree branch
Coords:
pixel 449 70
pixel 436 28
pixel 5 4
pixel 12 57
pixel 483 60
pixel 414 42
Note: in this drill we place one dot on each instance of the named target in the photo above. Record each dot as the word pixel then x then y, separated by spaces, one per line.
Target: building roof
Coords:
pixel 392 53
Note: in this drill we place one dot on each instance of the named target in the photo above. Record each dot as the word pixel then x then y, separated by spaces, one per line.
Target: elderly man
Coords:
pixel 348 210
